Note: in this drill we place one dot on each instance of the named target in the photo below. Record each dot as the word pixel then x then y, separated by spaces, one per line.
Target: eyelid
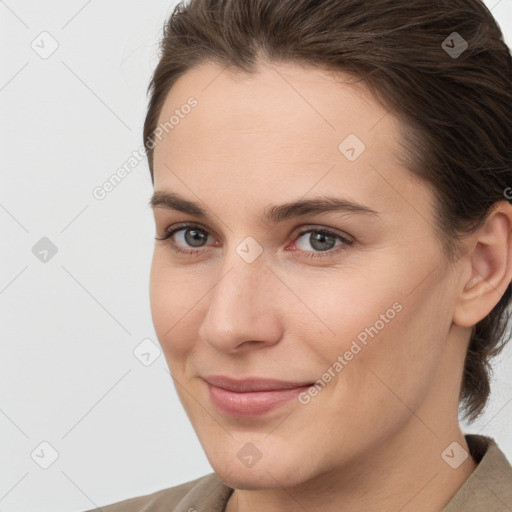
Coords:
pixel 170 230
pixel 295 234
pixel 320 228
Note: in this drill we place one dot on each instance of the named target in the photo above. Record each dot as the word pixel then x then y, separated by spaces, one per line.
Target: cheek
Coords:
pixel 347 314
pixel 390 340
pixel 398 365
pixel 174 299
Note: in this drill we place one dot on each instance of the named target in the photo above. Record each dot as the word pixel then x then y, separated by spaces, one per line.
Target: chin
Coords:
pixel 248 480
pixel 260 476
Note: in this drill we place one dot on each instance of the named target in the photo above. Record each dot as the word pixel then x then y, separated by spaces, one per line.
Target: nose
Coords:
pixel 243 309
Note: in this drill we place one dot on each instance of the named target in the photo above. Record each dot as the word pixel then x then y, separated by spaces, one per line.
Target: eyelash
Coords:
pixel 307 254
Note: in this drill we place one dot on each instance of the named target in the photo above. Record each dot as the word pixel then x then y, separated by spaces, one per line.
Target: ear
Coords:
pixel 489 267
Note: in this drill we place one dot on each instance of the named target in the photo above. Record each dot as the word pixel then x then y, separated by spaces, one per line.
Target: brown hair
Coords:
pixel 456 108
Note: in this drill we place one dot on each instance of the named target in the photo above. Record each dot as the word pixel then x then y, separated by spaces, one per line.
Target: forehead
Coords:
pixel 291 101
pixel 286 129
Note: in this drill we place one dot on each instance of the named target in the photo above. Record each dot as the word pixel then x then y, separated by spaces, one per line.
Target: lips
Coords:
pixel 251 397
pixel 252 384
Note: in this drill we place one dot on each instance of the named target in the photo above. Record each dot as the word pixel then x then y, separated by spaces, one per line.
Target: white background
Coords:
pixel 68 375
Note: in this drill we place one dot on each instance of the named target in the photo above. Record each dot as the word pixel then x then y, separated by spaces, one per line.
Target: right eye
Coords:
pixel 189 234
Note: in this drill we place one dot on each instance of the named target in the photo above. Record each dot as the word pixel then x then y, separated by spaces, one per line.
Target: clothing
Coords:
pixel 488 489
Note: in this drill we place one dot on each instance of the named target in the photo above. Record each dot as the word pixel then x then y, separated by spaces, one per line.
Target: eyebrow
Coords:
pixel 273 214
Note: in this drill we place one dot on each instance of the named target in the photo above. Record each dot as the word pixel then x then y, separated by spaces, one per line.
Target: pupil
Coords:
pixel 321 238
pixel 193 240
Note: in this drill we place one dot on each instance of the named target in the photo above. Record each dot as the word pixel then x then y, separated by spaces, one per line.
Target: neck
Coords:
pixel 405 473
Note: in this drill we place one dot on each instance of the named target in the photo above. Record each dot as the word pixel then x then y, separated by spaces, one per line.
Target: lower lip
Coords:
pixel 251 403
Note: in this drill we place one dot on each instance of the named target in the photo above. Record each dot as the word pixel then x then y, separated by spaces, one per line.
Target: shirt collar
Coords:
pixel 489 487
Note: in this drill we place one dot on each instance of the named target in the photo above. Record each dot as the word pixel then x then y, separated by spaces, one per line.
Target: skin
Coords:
pixel 372 438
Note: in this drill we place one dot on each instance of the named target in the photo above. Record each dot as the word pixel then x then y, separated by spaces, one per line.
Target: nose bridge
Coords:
pixel 244 272
pixel 240 306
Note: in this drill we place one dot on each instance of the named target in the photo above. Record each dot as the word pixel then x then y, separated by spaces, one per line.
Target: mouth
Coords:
pixel 252 396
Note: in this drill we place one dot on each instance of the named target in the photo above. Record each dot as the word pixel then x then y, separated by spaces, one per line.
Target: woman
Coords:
pixel 333 257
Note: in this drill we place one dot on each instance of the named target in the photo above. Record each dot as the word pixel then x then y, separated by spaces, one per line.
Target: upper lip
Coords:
pixel 252 384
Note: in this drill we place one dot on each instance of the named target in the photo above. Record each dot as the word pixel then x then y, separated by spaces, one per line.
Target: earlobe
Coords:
pixel 490 274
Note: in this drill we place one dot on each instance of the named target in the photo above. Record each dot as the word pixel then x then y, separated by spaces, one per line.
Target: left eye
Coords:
pixel 191 235
pixel 320 239
pixel 191 240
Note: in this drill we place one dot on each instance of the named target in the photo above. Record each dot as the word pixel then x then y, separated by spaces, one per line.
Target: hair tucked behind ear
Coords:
pixel 456 108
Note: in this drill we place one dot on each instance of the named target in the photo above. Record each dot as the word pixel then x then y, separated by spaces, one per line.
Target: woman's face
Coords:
pixel 363 310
